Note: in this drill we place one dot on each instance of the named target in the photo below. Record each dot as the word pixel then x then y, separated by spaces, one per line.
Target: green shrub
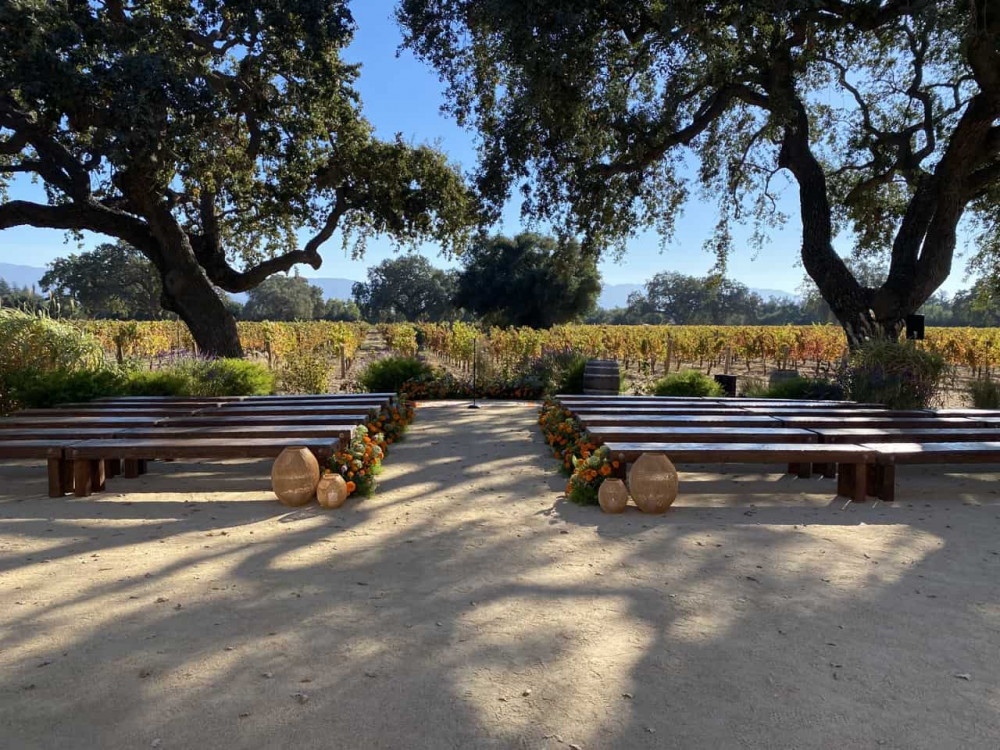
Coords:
pixel 166 382
pixel 985 394
pixel 31 345
pixel 570 377
pixel 687 383
pixel 388 375
pixel 44 389
pixel 754 388
pixel 898 375
pixel 808 389
pixel 232 377
pixel 305 373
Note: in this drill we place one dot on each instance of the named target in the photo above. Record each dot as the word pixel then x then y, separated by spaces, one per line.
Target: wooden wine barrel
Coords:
pixel 601 377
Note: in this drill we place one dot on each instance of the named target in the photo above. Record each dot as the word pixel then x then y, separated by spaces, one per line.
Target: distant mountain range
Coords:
pixel 612 295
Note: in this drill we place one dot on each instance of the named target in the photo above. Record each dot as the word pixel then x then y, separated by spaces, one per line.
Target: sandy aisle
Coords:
pixel 466 606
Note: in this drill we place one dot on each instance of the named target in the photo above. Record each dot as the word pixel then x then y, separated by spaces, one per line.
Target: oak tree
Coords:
pixel 885 113
pixel 207 135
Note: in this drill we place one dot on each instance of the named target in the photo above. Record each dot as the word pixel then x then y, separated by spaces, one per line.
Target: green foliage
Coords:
pixel 341 310
pixel 114 280
pixel 231 377
pixel 169 382
pixel 239 121
pixel 407 288
pixel 985 394
pixel 593 113
pixel 571 379
pixel 687 383
pixel 807 389
pixel 529 280
pixel 306 372
pixel 46 389
pixel 898 375
pixel 33 345
pixel 388 375
pixel 284 298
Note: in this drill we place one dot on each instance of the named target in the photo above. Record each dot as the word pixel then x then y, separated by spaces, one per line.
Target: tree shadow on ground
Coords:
pixel 466 607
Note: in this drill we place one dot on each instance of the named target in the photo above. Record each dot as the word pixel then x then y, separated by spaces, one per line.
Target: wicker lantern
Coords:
pixel 613 496
pixel 653 483
pixel 294 476
pixel 331 490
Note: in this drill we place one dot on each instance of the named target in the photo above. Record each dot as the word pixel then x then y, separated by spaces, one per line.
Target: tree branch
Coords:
pixel 710 110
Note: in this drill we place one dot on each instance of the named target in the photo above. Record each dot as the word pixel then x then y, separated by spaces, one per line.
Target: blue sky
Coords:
pixel 402 95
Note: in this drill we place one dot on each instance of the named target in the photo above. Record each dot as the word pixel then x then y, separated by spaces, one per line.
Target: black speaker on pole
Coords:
pixel 915 327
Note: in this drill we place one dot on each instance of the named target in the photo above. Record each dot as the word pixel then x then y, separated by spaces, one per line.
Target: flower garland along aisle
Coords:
pixel 586 463
pixel 360 461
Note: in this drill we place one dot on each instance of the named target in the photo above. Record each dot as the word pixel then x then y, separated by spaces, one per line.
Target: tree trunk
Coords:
pixel 861 326
pixel 188 292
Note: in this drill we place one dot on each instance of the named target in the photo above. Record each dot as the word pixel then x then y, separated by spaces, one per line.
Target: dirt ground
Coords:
pixel 468 606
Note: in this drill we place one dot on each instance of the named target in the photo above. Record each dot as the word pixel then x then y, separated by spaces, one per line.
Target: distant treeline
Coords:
pixel 527 280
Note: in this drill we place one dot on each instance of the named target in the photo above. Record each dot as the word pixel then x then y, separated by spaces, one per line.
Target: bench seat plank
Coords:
pixel 263 419
pixel 70 421
pixel 864 435
pixel 928 422
pixel 745 452
pixel 318 431
pixel 603 434
pixel 678 420
pixel 65 434
pixel 292 410
pixel 934 453
pixel 206 448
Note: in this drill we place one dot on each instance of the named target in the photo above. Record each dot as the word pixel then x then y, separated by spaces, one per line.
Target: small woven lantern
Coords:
pixel 294 476
pixel 331 490
pixel 653 483
pixel 613 496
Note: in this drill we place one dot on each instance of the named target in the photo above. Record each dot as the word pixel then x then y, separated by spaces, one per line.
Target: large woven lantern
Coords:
pixel 294 476
pixel 331 490
pixel 653 483
pixel 613 496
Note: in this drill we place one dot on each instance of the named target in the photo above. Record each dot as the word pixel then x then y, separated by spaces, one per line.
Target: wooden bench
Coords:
pixel 292 410
pixel 914 422
pixel 642 434
pixel 117 411
pixel 69 420
pixel 338 431
pixel 49 450
pixel 263 419
pixel 88 456
pixel 677 420
pixel 851 460
pixel 888 455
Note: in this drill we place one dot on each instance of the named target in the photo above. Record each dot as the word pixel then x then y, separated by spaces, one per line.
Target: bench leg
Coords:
pixel 805 470
pixel 845 480
pixel 97 475
pixel 143 466
pixel 873 479
pixel 113 467
pixel 57 477
pixel 886 489
pixel 828 470
pixel 793 468
pixel 130 468
pixel 81 477
pixel 68 475
pixel 860 483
